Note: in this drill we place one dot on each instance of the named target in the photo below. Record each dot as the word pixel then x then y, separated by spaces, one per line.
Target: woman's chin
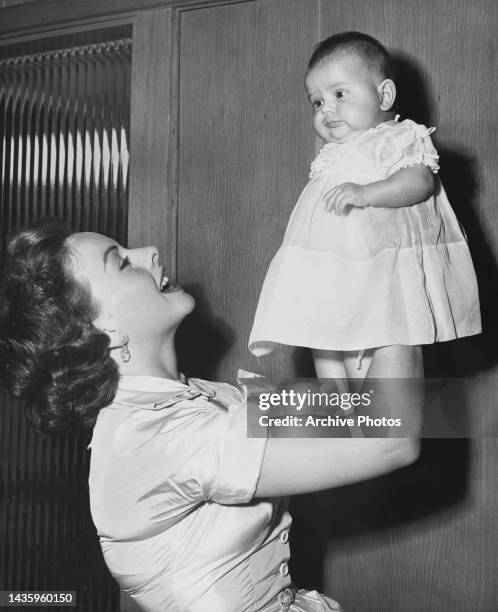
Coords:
pixel 180 298
pixel 191 300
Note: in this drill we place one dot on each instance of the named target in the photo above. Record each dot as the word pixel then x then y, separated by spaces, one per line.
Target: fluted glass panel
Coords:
pixel 64 137
pixel 64 134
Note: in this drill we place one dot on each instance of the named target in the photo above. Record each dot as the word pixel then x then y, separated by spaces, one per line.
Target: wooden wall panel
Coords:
pixel 12 2
pixel 49 15
pixel 447 55
pixel 419 539
pixel 152 134
pixel 423 539
pixel 246 142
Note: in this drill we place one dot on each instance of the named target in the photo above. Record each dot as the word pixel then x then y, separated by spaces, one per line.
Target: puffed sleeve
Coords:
pixel 151 466
pixel 218 461
pixel 406 144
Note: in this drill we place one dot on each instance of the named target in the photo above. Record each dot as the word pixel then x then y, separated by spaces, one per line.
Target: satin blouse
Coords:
pixel 172 482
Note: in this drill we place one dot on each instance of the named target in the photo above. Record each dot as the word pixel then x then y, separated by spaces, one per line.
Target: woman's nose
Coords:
pixel 147 256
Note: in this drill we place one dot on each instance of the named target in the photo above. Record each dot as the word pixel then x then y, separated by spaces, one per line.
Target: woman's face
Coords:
pixel 126 285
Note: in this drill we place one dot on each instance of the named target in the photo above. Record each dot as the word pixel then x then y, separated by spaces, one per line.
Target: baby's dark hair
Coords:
pixel 51 354
pixel 369 49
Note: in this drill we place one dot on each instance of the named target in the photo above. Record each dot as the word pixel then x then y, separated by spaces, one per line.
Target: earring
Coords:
pixel 120 341
pixel 124 353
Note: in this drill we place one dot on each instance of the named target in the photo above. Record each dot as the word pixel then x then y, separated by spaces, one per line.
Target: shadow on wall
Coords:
pixel 203 339
pixel 460 176
pixel 439 479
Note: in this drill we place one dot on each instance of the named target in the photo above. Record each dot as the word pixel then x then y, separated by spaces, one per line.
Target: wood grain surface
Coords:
pixel 151 181
pixel 37 15
pixel 423 539
pixel 418 540
pixel 246 141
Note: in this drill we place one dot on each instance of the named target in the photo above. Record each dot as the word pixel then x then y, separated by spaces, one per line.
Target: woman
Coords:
pixel 190 511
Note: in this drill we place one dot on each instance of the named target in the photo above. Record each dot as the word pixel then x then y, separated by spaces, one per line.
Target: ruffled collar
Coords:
pixel 332 151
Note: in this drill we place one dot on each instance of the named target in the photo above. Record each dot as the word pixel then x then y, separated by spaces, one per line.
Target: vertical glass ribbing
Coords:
pixel 64 134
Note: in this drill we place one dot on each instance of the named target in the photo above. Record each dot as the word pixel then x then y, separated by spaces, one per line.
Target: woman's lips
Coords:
pixel 165 285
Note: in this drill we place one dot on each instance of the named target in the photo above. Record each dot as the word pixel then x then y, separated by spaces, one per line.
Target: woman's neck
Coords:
pixel 152 359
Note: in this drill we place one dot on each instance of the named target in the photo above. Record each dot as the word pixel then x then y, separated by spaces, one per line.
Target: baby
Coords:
pixel 373 263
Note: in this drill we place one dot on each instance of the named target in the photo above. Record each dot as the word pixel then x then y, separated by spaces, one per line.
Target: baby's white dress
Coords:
pixel 375 276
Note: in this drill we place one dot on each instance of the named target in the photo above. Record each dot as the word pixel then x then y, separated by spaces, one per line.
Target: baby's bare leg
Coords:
pixel 329 364
pixel 357 364
pixel 395 362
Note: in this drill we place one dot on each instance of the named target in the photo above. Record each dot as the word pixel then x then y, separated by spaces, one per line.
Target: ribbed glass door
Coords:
pixel 64 132
pixel 64 151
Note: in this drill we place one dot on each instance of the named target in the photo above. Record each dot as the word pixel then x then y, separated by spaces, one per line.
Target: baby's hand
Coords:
pixel 346 194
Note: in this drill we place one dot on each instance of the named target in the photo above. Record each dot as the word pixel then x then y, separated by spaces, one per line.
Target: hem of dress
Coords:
pixel 425 340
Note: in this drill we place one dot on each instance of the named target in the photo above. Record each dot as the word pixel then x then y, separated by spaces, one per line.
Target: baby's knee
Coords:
pixel 397 361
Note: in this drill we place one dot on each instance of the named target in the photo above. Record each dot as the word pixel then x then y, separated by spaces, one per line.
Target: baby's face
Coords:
pixel 346 98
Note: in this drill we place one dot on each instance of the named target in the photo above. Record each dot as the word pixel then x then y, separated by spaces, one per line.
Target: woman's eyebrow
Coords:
pixel 107 252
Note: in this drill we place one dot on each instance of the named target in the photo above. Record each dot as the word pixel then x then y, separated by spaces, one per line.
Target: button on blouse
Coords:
pixel 172 482
pixel 283 569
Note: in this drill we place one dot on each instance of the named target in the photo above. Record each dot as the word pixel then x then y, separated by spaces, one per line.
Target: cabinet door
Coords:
pixel 423 539
pixel 245 144
pixel 413 540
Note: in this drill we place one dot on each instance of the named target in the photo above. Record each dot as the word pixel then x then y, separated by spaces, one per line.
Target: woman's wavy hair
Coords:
pixel 51 354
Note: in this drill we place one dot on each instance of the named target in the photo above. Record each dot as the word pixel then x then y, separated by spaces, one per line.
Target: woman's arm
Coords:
pixel 405 187
pixel 293 466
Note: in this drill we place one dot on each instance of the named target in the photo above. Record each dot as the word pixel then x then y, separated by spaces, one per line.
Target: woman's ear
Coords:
pixel 387 94
pixel 114 336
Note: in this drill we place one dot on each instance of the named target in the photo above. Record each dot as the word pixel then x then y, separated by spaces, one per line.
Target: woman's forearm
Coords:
pixel 293 466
